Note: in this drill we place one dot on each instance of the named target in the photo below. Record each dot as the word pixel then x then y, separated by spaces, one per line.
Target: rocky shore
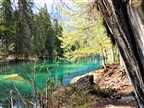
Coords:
pixel 102 88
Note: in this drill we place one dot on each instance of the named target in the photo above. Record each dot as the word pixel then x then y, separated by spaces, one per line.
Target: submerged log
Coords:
pixel 125 21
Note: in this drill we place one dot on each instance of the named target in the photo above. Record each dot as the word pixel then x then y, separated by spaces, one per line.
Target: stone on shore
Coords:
pixel 75 79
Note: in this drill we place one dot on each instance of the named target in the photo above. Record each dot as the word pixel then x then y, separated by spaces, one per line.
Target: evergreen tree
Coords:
pixel 58 33
pixel 24 34
pixel 45 35
pixel 5 26
pixel 24 39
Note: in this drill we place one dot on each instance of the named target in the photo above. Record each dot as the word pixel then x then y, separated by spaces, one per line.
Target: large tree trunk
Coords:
pixel 112 54
pixel 125 20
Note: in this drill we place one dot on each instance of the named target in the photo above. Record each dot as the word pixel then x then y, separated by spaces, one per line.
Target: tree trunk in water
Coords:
pixel 125 20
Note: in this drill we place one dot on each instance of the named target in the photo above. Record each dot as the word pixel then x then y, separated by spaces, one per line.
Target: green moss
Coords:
pixel 86 105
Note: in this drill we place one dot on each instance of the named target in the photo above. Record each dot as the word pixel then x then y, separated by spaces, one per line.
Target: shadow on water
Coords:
pixel 27 79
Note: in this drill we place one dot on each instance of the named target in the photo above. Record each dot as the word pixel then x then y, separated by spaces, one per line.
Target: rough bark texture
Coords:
pixel 125 20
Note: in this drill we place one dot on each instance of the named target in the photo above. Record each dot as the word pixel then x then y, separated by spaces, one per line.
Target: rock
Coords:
pixel 127 98
pixel 115 81
pixel 75 79
pixel 118 97
pixel 85 82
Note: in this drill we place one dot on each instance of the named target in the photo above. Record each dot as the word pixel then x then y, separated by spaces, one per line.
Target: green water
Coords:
pixel 24 77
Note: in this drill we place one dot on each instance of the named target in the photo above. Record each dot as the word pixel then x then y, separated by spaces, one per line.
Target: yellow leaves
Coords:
pixel 85 32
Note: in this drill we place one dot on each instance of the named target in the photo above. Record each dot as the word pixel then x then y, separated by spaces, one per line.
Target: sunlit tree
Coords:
pixel 84 33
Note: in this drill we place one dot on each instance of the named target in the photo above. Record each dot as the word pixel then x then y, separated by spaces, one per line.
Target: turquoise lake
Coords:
pixel 27 75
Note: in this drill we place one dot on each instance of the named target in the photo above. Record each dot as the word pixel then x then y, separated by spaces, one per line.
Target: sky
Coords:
pixel 52 6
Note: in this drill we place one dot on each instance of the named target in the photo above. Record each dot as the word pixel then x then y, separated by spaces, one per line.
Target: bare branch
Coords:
pixel 21 97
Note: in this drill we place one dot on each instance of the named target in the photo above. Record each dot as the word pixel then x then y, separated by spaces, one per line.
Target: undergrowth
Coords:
pixel 77 97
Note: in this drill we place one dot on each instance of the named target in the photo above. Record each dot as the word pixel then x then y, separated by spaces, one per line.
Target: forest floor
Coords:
pixel 112 79
pixel 115 78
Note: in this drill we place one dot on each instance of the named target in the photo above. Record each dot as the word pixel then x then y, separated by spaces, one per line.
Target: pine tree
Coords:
pixel 24 29
pixel 5 26
pixel 58 33
pixel 44 37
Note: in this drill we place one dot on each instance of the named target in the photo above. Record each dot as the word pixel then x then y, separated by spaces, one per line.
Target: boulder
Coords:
pixel 85 82
pixel 75 79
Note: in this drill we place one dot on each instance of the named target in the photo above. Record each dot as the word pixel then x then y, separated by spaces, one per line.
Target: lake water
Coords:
pixel 24 77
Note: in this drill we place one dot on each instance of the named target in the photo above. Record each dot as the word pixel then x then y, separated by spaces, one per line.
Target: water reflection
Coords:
pixel 29 78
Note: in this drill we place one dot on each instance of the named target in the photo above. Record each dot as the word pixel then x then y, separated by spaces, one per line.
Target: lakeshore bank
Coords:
pixel 102 88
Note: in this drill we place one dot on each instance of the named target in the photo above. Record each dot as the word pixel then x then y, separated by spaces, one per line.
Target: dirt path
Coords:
pixel 115 78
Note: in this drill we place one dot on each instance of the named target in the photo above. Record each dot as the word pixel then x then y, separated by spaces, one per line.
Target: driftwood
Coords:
pixel 125 21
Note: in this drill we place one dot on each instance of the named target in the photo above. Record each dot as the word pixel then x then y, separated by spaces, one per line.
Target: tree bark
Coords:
pixel 121 62
pixel 112 54
pixel 125 20
pixel 103 58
